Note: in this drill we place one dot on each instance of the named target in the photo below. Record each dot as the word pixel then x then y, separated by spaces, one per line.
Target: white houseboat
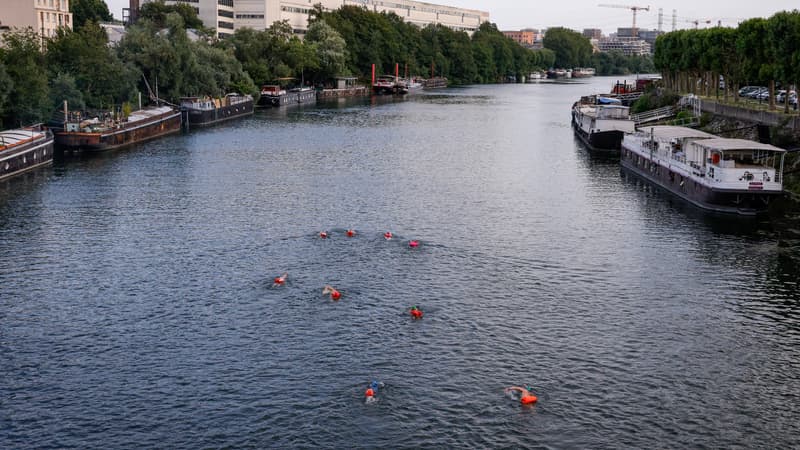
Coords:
pixel 601 122
pixel 735 176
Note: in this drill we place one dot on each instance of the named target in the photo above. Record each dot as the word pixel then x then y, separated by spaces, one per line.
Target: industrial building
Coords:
pixel 228 15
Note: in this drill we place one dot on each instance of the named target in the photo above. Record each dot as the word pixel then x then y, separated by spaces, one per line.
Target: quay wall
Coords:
pixel 773 119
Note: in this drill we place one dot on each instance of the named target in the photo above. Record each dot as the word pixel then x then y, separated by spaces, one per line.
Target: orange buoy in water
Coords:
pixel 323 234
pixel 387 235
pixel 416 313
pixel 351 233
pixel 413 244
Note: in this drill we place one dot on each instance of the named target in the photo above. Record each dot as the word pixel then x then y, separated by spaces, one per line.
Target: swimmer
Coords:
pixel 279 281
pixel 387 235
pixel 335 295
pixel 415 312
pixel 323 234
pixel 370 395
pixel 350 233
pixel 526 398
pixel 413 244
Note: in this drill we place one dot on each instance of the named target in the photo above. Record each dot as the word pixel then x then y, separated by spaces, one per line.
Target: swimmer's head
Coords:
pixel 369 393
pixel 413 243
pixel 323 234
pixel 351 233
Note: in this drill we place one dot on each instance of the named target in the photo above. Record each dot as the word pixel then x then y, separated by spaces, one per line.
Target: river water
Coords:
pixel 137 308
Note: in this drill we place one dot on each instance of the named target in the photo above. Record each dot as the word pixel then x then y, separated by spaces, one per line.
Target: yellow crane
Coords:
pixel 632 8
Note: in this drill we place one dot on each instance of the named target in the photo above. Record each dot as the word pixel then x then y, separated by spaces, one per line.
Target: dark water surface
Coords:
pixel 137 307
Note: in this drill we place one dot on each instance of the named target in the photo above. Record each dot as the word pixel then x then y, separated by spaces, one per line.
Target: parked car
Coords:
pixel 780 97
pixel 746 90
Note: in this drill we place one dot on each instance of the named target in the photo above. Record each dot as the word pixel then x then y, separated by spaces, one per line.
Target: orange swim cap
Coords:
pixel 278 280
pixel 369 392
pixel 351 233
pixel 323 234
pixel 387 235
pixel 335 294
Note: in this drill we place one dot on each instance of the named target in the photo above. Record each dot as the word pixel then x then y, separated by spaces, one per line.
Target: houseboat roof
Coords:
pixel 723 144
pixel 149 112
pixel 10 138
pixel 665 132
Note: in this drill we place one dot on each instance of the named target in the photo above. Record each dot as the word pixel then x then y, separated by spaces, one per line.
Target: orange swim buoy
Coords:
pixel 279 280
pixel 413 244
pixel 369 392
pixel 528 399
pixel 417 314
pixel 351 233
pixel 387 235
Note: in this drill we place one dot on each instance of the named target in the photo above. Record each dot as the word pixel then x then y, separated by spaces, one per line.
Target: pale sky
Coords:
pixel 580 14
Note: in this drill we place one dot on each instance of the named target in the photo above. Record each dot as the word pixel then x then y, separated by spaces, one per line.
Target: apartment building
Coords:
pixel 44 16
pixel 524 37
pixel 228 15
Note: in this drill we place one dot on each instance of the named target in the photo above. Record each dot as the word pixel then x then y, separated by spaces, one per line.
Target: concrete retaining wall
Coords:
pixel 745 114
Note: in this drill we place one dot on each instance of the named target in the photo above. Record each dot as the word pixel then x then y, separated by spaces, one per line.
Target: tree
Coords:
pixel 6 85
pixel 330 49
pixel 783 30
pixel 89 10
pixel 93 66
pixel 25 65
pixel 157 12
pixel 63 88
pixel 570 47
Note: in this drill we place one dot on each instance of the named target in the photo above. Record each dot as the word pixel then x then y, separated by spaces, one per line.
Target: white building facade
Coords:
pixel 44 16
pixel 228 15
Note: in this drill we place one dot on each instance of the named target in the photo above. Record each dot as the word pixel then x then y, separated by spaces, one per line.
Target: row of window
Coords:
pixel 58 4
pixel 54 18
pixel 249 16
pixel 295 10
pixel 225 3
pixel 224 13
pixel 226 25
pixel 448 12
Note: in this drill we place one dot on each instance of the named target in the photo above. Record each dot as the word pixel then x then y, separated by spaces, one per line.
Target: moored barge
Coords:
pixel 199 112
pixel 24 149
pixel 735 176
pixel 601 122
pixel 273 95
pixel 80 134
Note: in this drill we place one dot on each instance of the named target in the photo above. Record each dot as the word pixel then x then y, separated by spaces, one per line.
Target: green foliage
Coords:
pixel 653 99
pixel 616 63
pixel 28 101
pixel 157 13
pixel 89 10
pixel 63 87
pixel 758 51
pixel 94 67
pixel 571 48
pixel 177 67
pixel 6 85
pixel 330 51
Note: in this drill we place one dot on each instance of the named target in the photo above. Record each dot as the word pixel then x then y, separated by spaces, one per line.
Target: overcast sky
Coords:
pixel 580 14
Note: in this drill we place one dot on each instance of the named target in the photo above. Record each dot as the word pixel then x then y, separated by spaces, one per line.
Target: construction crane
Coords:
pixel 697 22
pixel 632 8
